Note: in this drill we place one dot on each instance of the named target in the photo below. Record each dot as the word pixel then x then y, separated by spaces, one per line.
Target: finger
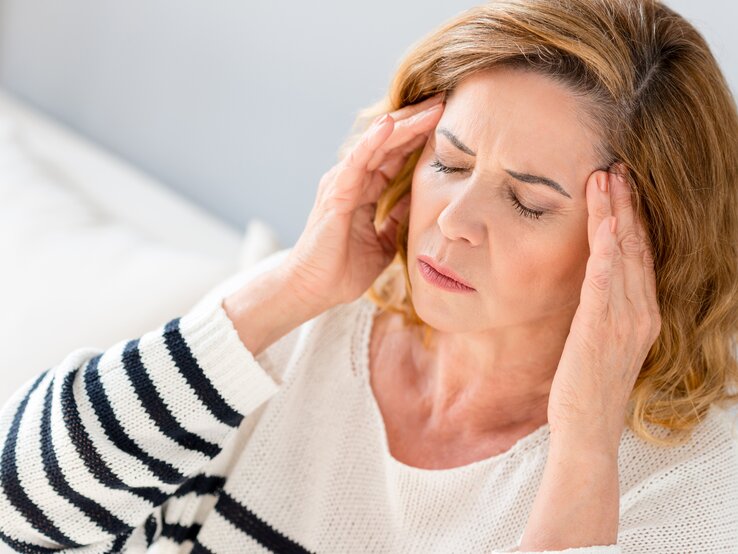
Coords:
pixel 650 279
pixel 388 230
pixel 391 166
pixel 595 298
pixel 405 130
pixel 638 227
pixel 631 273
pixel 412 109
pixel 598 204
pixel 352 169
pixel 599 207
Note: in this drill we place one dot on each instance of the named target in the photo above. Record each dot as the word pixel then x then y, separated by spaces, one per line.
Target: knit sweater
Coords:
pixel 183 441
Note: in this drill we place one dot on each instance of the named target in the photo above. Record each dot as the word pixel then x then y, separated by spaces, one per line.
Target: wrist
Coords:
pixel 302 296
pixel 578 445
pixel 266 309
pixel 595 435
pixel 577 503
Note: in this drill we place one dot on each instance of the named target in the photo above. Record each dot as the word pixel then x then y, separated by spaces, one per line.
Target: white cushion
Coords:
pixel 118 188
pixel 72 275
pixel 259 242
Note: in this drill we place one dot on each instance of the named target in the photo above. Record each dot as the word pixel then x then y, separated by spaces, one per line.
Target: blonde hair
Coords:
pixel 648 79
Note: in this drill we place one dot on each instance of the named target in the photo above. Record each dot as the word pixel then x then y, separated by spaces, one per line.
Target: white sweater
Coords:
pixel 182 441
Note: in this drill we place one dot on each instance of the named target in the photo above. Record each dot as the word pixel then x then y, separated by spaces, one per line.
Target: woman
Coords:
pixel 507 326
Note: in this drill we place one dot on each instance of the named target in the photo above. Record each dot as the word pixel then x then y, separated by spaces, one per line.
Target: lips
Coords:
pixel 443 270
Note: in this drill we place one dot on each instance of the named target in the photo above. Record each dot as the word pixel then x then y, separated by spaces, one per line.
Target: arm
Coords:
pixel 92 446
pixel 684 499
pixel 578 500
pixel 616 323
pixel 267 310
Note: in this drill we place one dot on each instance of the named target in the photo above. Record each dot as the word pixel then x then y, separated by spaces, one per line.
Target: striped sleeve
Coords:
pixel 91 446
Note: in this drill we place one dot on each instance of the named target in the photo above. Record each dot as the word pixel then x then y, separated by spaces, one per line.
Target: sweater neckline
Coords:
pixel 529 444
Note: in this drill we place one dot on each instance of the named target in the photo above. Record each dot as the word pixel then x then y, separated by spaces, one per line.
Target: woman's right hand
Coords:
pixel 340 254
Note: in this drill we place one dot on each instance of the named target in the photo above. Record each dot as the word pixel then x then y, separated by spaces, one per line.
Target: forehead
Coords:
pixel 520 114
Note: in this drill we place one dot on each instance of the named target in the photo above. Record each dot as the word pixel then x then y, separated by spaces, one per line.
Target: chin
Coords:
pixel 445 311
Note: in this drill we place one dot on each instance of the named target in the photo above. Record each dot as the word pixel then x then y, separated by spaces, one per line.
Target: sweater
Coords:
pixel 182 441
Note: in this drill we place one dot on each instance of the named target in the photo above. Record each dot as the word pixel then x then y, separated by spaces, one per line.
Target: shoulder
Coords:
pixel 714 442
pixel 692 487
pixel 717 432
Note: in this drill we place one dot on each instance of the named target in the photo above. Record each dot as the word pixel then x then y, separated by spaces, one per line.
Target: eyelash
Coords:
pixel 522 210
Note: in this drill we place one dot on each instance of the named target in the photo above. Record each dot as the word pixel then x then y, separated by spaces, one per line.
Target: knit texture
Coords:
pixel 183 441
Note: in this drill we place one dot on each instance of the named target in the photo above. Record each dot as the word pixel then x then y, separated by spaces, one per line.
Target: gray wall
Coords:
pixel 240 106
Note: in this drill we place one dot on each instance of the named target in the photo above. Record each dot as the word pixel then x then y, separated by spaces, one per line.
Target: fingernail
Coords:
pixel 381 120
pixel 602 181
pixel 623 181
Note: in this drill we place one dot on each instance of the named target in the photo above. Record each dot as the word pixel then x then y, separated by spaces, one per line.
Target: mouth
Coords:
pixel 441 276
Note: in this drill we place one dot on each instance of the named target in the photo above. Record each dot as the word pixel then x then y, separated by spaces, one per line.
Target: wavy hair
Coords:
pixel 664 110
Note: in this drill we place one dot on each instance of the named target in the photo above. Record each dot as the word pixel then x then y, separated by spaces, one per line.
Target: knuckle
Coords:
pixel 613 252
pixel 622 200
pixel 648 256
pixel 600 282
pixel 350 160
pixel 630 244
pixel 601 211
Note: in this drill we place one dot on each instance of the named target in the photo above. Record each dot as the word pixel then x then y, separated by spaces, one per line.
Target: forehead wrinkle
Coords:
pixel 472 125
pixel 467 129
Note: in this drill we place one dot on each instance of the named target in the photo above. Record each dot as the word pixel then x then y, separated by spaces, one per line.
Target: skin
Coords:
pixel 483 385
pixel 449 395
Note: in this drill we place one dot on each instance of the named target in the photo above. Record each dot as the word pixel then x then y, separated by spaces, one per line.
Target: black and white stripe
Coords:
pixel 253 526
pixel 78 434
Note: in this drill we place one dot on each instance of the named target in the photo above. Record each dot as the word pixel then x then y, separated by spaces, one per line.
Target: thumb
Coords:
pixel 388 229
pixel 595 295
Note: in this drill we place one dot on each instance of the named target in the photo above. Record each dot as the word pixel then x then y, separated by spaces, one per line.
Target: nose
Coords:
pixel 462 217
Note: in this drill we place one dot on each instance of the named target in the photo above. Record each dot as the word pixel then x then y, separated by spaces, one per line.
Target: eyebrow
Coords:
pixel 524 177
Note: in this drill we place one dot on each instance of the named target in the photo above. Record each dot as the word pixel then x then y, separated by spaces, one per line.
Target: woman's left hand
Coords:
pixel 614 327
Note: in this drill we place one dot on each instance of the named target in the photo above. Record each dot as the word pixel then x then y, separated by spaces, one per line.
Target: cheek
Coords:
pixel 546 269
pixel 527 259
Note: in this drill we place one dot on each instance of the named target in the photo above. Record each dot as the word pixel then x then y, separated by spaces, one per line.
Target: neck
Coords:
pixel 486 383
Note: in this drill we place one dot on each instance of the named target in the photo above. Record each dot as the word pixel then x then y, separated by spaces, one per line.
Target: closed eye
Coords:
pixel 444 168
pixel 522 210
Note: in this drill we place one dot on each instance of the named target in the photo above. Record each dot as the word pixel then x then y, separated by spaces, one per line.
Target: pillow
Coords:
pixel 246 273
pixel 73 276
pixel 260 241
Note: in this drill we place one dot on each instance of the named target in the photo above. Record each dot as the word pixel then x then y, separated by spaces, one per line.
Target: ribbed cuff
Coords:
pixel 230 366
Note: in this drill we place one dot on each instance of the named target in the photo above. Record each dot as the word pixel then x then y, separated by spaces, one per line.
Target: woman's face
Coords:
pixel 526 266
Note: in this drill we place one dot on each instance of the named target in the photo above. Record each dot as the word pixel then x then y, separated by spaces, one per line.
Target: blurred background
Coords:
pixel 237 106
pixel 151 150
